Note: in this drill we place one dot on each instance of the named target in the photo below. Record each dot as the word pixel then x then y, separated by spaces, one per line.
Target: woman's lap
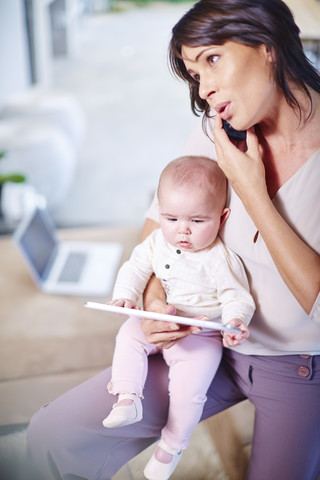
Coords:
pixel 286 443
pixel 67 435
pixel 287 411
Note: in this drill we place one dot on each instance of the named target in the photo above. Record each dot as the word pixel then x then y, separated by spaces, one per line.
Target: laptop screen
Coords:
pixel 38 243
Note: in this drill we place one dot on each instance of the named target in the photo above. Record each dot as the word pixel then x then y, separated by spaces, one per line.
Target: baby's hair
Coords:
pixel 195 171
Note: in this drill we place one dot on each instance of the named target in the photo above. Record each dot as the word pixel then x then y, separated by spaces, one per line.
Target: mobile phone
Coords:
pixel 236 135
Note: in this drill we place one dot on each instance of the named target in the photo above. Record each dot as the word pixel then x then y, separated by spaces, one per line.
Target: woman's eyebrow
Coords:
pixel 202 52
pixel 198 56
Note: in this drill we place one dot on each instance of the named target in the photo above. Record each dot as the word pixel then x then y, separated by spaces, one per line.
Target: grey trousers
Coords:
pixel 66 439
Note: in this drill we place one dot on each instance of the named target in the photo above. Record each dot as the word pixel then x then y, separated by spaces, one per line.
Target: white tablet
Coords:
pixel 130 312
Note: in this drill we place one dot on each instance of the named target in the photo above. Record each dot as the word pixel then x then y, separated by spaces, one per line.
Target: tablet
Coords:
pixel 130 312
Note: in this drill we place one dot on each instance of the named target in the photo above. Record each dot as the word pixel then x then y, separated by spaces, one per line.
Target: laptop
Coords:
pixel 64 267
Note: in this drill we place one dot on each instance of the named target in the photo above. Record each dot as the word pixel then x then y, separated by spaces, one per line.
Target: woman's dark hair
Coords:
pixel 251 23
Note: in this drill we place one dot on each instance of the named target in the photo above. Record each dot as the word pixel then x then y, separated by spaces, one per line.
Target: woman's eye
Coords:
pixel 212 59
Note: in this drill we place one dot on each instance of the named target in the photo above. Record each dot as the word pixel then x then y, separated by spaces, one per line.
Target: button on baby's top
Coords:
pixel 167 265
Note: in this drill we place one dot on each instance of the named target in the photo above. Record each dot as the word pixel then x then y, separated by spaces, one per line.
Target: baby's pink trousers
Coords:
pixel 192 364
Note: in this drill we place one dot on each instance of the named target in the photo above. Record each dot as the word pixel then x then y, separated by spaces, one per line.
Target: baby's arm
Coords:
pixel 231 339
pixel 123 302
pixel 233 291
pixel 134 275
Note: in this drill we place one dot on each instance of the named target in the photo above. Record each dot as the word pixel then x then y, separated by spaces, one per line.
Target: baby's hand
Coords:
pixel 231 339
pixel 124 302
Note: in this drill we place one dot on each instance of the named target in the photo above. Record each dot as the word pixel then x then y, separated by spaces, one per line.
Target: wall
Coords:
pixel 14 57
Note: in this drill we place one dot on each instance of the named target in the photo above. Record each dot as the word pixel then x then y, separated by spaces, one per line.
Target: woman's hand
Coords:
pixel 231 339
pixel 297 263
pixel 244 169
pixel 164 334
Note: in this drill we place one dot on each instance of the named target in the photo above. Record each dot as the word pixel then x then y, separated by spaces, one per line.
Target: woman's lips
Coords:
pixel 223 109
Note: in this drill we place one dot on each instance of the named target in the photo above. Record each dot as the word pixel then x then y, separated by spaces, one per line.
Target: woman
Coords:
pixel 243 59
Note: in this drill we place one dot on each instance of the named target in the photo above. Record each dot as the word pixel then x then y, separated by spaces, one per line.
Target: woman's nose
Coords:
pixel 206 87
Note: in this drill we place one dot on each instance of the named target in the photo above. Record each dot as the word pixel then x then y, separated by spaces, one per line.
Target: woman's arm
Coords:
pixel 162 334
pixel 297 263
pixel 148 227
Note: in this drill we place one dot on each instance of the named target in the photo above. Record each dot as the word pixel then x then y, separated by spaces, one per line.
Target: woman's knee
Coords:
pixel 47 432
pixel 41 440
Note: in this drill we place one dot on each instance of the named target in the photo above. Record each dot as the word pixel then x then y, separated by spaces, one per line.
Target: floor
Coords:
pixel 199 462
pixel 138 115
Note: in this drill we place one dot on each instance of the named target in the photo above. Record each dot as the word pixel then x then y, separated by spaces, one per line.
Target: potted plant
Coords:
pixel 8 177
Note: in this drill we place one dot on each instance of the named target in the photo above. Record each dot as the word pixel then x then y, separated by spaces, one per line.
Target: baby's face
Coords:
pixel 189 218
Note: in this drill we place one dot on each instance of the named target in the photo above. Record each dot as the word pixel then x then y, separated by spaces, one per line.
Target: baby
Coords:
pixel 201 277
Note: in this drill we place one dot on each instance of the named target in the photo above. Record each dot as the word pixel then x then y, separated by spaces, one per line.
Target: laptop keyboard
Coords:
pixel 73 267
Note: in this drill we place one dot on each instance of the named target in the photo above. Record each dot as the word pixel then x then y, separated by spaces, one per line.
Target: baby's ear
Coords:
pixel 224 215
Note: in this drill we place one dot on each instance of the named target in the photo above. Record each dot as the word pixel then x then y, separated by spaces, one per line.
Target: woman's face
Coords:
pixel 235 80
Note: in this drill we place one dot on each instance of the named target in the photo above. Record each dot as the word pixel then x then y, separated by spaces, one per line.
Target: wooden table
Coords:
pixel 48 343
pixel 43 333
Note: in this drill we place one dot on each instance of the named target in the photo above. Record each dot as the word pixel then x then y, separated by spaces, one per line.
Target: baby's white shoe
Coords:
pixel 162 470
pixel 122 415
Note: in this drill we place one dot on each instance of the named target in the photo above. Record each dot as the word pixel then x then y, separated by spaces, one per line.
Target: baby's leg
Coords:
pixel 193 363
pixel 129 372
pixel 130 359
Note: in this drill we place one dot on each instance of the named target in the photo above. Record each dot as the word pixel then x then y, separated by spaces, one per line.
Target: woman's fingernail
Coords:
pixel 196 330
pixel 174 326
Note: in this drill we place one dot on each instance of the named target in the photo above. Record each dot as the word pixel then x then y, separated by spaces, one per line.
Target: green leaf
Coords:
pixel 12 177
